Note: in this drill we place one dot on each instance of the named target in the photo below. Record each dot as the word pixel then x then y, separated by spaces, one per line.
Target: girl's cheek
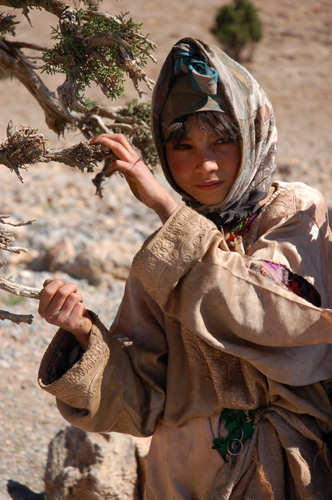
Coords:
pixel 182 169
pixel 181 172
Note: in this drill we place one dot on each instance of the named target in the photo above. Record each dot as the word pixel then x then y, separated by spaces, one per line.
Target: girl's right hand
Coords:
pixel 61 305
pixel 141 181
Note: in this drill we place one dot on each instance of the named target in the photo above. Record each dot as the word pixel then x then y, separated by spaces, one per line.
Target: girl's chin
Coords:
pixel 212 204
pixel 210 200
pixel 207 198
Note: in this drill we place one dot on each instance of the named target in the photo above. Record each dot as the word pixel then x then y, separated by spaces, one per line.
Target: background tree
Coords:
pixel 89 47
pixel 238 26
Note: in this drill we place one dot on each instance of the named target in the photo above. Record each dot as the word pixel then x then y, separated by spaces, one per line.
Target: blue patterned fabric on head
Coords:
pixel 202 77
pixel 194 88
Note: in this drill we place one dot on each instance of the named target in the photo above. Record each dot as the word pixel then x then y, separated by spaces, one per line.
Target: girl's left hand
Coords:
pixel 61 305
pixel 141 181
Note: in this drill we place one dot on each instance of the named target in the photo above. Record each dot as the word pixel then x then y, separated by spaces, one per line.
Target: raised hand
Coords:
pixel 142 183
pixel 61 305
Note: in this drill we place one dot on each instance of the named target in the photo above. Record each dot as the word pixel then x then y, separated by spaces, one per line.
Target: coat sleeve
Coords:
pixel 119 382
pixel 221 297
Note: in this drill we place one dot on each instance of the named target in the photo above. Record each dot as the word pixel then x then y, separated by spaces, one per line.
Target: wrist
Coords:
pixel 82 334
pixel 165 209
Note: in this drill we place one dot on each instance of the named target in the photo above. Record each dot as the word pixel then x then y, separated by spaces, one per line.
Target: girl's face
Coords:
pixel 204 164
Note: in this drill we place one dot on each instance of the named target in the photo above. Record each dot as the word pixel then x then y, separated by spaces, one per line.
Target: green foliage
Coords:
pixel 236 25
pixel 106 65
pixel 138 116
pixel 142 136
pixel 93 48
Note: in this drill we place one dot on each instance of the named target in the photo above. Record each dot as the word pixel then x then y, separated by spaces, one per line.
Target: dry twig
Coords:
pixel 6 239
pixel 16 318
pixel 19 290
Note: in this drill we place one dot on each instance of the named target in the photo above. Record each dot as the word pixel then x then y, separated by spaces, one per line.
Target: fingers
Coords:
pixel 58 301
pixel 142 183
pixel 128 169
pixel 61 305
pixel 54 295
pixel 118 144
pixel 127 157
pixel 71 318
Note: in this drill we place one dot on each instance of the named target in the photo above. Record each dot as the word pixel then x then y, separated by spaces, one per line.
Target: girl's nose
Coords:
pixel 207 162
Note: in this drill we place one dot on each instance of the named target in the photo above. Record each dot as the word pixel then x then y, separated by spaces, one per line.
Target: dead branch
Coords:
pixel 16 318
pixel 22 147
pixel 13 249
pixel 15 224
pixel 27 45
pixel 82 156
pixel 19 290
pixel 27 147
pixel 7 237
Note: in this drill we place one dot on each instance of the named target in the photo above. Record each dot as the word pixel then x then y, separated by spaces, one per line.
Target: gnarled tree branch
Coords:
pixel 55 7
pixel 15 63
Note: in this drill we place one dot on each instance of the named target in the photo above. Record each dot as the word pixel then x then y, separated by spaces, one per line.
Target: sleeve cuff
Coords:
pixel 78 373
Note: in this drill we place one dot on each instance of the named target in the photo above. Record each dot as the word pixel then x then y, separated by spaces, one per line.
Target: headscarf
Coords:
pixel 196 77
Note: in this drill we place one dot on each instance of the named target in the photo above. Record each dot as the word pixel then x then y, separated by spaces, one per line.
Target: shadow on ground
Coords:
pixel 18 491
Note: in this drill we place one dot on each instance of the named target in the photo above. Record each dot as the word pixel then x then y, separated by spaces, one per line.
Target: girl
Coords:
pixel 221 345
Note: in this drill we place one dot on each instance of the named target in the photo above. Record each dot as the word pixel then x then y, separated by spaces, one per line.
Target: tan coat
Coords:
pixel 200 329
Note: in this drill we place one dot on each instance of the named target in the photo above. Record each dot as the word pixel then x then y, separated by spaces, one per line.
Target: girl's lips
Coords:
pixel 209 185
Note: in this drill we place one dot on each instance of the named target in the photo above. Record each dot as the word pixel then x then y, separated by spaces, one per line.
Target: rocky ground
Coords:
pixel 90 241
pixel 76 237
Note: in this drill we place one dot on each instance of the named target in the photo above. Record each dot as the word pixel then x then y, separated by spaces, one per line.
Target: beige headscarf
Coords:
pixel 196 77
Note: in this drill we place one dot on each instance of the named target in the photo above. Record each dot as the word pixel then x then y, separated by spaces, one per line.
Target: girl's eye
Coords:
pixel 181 147
pixel 224 140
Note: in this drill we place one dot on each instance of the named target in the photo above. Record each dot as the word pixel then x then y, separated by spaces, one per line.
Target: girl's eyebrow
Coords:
pixel 213 135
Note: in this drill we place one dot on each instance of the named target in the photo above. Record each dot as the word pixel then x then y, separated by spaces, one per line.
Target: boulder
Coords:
pixel 92 466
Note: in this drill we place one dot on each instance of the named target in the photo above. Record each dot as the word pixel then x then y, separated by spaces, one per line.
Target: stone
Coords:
pixel 102 261
pixel 58 255
pixel 92 466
